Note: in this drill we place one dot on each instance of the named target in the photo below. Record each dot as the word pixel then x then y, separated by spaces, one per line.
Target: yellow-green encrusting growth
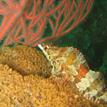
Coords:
pixel 28 91
pixel 35 91
pixel 26 60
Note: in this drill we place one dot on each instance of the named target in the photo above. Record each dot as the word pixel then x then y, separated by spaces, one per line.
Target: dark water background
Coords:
pixel 90 37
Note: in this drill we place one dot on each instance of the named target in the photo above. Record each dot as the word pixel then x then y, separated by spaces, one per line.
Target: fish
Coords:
pixel 71 62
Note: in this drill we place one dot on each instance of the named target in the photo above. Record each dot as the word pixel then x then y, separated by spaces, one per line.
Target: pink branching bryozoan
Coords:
pixel 25 21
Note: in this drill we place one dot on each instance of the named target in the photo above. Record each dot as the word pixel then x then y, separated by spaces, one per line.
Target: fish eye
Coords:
pixel 46 47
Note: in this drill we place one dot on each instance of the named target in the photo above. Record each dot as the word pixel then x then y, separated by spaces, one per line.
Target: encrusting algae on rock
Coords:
pixel 36 91
pixel 28 91
pixel 26 60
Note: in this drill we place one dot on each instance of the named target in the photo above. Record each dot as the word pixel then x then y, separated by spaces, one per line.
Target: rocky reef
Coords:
pixel 26 81
pixel 25 60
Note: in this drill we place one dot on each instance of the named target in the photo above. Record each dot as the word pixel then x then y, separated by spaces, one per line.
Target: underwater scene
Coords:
pixel 53 53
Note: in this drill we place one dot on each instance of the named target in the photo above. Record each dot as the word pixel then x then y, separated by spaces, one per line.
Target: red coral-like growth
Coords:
pixel 24 21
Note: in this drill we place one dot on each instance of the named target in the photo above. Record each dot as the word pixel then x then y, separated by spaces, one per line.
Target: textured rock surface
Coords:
pixel 28 91
pixel 35 91
pixel 26 60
